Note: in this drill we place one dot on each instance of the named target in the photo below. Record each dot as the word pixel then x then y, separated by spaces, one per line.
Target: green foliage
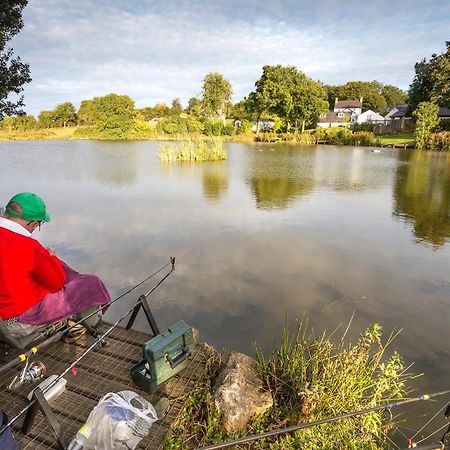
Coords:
pixel 194 107
pixel 432 80
pixel 203 150
pixel 369 91
pixel 64 114
pixel 13 72
pixel 176 108
pixel 312 378
pixel 427 120
pixel 155 112
pixel 393 95
pixel 177 125
pixel 333 135
pixel 113 115
pixel 23 122
pixel 86 113
pixel 45 119
pixel 216 94
pixel 246 126
pixel 289 94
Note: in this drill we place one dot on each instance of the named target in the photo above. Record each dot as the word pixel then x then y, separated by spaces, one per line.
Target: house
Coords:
pixel 344 114
pixel 398 116
pixel 371 117
pixel 335 119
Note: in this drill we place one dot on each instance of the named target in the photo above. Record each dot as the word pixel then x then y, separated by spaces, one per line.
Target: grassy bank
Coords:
pixel 396 139
pixel 310 378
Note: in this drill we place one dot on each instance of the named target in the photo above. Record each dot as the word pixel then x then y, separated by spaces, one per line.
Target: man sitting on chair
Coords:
pixel 36 288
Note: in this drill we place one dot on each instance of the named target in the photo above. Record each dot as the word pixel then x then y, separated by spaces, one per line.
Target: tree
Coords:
pixel 45 119
pixel 64 114
pixel 113 115
pixel 176 108
pixel 369 91
pixel 432 80
pixel 420 88
pixel 440 78
pixel 427 120
pixel 85 115
pixel 393 95
pixel 216 94
pixel 195 106
pixel 289 94
pixel 13 72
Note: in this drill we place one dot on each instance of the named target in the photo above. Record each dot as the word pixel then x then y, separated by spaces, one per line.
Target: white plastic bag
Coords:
pixel 119 422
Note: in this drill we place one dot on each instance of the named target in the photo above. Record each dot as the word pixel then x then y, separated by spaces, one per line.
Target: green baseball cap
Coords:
pixel 33 207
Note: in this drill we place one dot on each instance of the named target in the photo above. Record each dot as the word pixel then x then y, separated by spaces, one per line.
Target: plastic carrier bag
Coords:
pixel 119 422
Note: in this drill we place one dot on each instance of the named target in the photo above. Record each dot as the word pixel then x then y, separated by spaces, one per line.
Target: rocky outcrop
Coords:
pixel 239 392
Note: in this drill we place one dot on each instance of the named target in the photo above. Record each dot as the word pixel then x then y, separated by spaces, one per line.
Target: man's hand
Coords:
pixel 51 251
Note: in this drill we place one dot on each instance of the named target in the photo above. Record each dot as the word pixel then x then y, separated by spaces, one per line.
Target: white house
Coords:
pixel 370 116
pixel 344 114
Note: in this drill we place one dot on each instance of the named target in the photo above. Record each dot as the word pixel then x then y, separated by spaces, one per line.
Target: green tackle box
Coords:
pixel 164 355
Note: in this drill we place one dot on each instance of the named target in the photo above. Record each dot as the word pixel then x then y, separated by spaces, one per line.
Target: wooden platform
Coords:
pixel 101 371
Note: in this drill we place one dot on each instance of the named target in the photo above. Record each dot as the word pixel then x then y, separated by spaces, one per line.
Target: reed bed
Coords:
pixel 310 378
pixel 202 150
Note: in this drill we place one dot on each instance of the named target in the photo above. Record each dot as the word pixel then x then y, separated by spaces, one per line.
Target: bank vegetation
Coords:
pixel 310 378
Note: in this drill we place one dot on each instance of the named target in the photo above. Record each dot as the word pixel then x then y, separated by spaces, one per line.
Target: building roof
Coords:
pixel 332 116
pixel 402 109
pixel 347 104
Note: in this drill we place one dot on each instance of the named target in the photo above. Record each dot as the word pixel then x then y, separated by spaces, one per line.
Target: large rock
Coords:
pixel 239 392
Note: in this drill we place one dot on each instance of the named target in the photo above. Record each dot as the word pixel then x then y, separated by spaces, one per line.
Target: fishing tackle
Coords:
pixel 30 373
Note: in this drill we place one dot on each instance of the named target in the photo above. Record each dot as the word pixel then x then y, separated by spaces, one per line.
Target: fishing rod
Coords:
pixel 57 336
pixel 301 426
pixel 98 341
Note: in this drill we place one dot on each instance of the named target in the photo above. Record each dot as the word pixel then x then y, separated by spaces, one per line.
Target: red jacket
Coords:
pixel 27 273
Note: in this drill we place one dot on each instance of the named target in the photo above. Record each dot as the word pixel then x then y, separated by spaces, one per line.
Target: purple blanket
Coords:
pixel 80 291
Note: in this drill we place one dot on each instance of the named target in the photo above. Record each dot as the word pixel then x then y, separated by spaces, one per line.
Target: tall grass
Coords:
pixel 310 378
pixel 202 150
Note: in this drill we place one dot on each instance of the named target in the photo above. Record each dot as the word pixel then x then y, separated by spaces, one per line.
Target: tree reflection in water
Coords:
pixel 422 194
pixel 276 182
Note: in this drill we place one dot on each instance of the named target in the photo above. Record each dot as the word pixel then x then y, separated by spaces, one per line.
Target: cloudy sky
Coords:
pixel 156 50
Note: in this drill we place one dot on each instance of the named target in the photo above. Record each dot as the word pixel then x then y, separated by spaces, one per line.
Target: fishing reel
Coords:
pixel 30 373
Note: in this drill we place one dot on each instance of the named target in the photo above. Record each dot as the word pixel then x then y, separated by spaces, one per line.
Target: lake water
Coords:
pixel 274 232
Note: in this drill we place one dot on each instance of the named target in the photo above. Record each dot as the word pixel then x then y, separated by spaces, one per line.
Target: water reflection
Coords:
pixel 215 179
pixel 114 163
pixel 422 195
pixel 277 178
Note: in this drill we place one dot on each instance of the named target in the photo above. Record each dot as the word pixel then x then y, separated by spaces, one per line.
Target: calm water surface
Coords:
pixel 272 233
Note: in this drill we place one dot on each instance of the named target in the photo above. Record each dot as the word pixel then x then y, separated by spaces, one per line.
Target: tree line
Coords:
pixel 283 93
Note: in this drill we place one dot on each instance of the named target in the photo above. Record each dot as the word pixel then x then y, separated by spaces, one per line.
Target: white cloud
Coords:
pixel 156 51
